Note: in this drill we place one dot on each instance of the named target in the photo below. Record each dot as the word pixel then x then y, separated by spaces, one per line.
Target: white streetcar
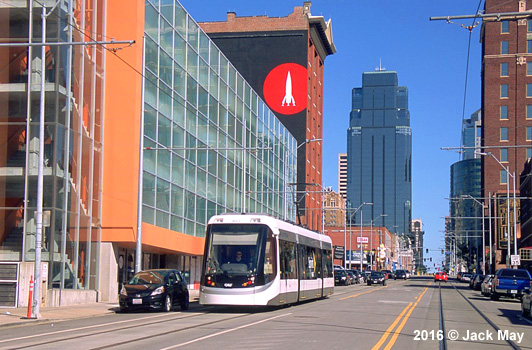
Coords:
pixel 256 259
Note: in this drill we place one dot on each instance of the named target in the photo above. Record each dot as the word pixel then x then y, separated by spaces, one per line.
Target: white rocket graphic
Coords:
pixel 288 92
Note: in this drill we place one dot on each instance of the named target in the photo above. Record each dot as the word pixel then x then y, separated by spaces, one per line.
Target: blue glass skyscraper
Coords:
pixel 379 152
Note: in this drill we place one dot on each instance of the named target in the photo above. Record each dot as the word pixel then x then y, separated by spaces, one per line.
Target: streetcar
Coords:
pixel 258 260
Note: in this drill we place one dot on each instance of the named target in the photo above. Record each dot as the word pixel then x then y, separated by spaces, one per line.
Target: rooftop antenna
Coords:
pixel 380 68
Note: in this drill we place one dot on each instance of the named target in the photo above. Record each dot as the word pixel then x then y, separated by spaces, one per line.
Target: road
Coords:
pixel 400 315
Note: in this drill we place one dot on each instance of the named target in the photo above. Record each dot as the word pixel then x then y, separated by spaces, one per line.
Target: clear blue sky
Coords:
pixel 429 58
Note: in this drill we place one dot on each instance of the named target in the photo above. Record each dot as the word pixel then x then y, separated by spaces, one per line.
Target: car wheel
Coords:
pixel 384 283
pixel 168 304
pixel 185 303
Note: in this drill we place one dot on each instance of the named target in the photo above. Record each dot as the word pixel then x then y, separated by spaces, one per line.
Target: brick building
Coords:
pixel 333 208
pixel 282 59
pixel 506 106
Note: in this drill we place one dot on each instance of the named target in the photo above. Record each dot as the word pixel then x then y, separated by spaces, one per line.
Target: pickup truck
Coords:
pixel 511 283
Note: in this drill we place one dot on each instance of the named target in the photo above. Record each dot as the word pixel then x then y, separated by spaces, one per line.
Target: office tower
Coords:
pixel 342 174
pixel 282 58
pixel 465 225
pixel 379 152
pixel 417 243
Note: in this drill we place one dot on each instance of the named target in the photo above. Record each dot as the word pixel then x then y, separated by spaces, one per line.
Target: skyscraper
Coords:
pixel 342 174
pixel 379 152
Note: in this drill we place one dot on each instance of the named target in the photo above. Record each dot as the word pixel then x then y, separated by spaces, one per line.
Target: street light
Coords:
pixel 350 219
pixel 483 233
pixel 507 169
pixel 371 232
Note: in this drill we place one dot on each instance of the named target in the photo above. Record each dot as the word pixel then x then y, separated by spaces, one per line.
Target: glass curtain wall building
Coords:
pixel 210 145
pixel 379 152
pixel 73 111
pixel 217 147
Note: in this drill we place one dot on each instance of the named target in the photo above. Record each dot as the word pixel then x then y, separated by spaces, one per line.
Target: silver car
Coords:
pixel 485 286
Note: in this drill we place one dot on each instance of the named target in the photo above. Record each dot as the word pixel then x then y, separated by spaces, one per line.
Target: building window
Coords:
pixel 529 153
pixel 504 112
pixel 504 134
pixel 504 155
pixel 503 178
pixel 529 133
pixel 504 69
pixel 529 46
pixel 528 111
pixel 528 90
pixel 504 90
pixel 529 28
pixel 529 68
pixel 504 47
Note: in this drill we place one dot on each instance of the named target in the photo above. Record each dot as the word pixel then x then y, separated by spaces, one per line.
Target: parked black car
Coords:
pixel 341 278
pixel 376 277
pixel 160 289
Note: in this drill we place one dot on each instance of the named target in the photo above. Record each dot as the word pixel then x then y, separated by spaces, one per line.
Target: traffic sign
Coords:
pixel 516 260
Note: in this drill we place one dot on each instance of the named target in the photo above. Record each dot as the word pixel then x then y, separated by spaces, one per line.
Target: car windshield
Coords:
pixel 339 272
pixel 376 274
pixel 521 274
pixel 148 277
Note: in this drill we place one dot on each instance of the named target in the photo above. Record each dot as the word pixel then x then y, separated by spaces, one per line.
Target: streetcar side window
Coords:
pixel 327 263
pixel 318 264
pixel 288 260
pixel 302 262
pixel 311 263
pixel 270 259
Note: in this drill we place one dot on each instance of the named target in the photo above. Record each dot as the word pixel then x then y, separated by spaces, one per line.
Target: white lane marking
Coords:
pixel 393 302
pixel 81 328
pixel 223 332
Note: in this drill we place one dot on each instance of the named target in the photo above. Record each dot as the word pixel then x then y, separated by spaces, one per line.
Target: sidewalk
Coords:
pixel 17 316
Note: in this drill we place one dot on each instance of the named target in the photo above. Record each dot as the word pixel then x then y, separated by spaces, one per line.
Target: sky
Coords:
pixel 430 58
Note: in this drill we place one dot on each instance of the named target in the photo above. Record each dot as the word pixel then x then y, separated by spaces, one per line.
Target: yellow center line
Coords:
pixel 389 330
pixel 398 330
pixel 369 291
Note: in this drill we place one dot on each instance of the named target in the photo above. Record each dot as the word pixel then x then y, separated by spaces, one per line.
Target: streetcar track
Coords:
pixel 510 342
pixel 99 332
pixel 443 341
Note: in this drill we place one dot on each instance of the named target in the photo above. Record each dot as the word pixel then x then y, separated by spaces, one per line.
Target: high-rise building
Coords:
pixel 506 107
pixel 282 58
pixel 209 145
pixel 379 152
pixel 342 174
pixel 417 243
pixel 472 135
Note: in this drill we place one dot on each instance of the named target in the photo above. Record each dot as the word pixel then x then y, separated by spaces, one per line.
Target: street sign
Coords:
pixel 339 252
pixel 516 261
pixel 362 240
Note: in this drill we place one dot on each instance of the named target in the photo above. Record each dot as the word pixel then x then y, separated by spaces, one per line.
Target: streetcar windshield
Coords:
pixel 236 251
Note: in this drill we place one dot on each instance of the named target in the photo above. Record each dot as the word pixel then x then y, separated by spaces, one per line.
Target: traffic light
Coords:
pixel 430 259
pixel 427 250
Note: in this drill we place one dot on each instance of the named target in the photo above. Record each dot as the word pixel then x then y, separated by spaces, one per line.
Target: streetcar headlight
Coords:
pixel 158 291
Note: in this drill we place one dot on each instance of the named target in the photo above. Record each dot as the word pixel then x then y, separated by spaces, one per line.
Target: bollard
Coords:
pixel 30 297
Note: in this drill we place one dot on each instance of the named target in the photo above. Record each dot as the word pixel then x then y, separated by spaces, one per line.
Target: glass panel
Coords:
pixel 149 156
pixel 177 170
pixel 151 21
pixel 504 112
pixel 529 133
pixel 148 215
pixel 148 189
pixel 529 68
pixel 164 131
pixel 177 200
pixel 214 58
pixel 505 27
pixel 504 69
pixel 179 80
pixel 528 111
pixel 192 91
pixel 504 90
pixel 180 19
pixel 504 155
pixel 167 9
pixel 167 36
pixel 151 55
pixel 150 90
pixel 163 164
pixel 504 47
pixel 504 134
pixel 165 68
pixel 165 100
pixel 163 195
pixel 192 33
pixel 528 90
pixel 162 219
pixel 204 46
pixel 150 122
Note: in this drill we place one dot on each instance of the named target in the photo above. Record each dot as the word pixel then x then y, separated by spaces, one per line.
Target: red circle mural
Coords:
pixel 285 88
